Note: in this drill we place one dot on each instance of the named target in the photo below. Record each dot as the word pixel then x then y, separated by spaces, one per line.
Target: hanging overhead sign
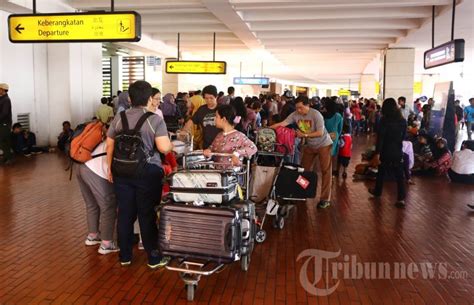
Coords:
pixel 263 81
pixel 196 67
pixel 446 53
pixel 75 27
pixel 344 92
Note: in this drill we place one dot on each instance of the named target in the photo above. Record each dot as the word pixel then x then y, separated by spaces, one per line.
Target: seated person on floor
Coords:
pixel 462 167
pixel 229 140
pixel 422 150
pixel 368 170
pixel 24 141
pixel 65 136
pixel 441 161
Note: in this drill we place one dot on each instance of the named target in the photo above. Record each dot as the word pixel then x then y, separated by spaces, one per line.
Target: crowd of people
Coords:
pixel 316 131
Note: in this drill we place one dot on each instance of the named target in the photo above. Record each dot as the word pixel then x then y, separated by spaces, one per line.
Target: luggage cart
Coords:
pixel 190 268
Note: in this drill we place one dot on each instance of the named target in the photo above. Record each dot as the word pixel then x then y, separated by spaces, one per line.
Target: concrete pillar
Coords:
pixel 116 77
pixel 368 86
pixel 170 81
pixel 399 74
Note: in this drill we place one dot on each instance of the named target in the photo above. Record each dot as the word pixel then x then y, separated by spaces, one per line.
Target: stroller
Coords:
pixel 207 225
pixel 276 184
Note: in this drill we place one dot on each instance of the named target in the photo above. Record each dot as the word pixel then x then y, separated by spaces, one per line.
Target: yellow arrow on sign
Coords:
pixel 75 27
pixel 196 67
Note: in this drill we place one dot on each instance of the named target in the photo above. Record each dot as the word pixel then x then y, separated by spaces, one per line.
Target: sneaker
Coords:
pixel 373 193
pixel 471 206
pixel 37 152
pixel 163 262
pixel 109 249
pixel 400 203
pixel 140 245
pixel 323 204
pixel 127 263
pixel 27 155
pixel 92 241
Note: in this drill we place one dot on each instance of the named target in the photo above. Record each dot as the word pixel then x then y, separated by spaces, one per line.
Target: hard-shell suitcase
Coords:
pixel 211 187
pixel 221 234
pixel 295 183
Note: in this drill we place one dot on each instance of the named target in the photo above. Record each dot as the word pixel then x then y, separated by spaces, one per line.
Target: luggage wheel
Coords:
pixel 260 236
pixel 279 222
pixel 245 262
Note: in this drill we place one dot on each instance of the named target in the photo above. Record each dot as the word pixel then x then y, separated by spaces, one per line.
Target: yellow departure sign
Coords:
pixel 344 92
pixel 75 27
pixel 196 67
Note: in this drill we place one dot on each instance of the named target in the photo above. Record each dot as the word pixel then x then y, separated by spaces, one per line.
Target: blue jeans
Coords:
pixel 138 197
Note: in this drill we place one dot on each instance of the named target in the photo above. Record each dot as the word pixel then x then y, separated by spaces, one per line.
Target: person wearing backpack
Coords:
pixel 136 171
pixel 99 197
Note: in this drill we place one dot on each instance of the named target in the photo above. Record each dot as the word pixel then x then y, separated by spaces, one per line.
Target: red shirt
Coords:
pixel 346 150
pixel 356 112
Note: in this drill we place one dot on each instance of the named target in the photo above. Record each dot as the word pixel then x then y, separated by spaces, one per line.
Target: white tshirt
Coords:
pixel 99 165
pixel 463 162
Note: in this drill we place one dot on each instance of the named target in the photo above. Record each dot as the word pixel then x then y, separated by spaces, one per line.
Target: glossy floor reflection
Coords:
pixel 43 259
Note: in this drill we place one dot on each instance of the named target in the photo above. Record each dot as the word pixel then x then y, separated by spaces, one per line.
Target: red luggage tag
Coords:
pixel 303 182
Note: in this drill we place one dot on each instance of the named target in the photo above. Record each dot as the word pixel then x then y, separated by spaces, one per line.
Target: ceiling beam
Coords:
pixel 136 5
pixel 330 34
pixel 323 14
pixel 327 41
pixel 349 24
pixel 241 5
pixel 204 36
pixel 189 28
pixel 330 47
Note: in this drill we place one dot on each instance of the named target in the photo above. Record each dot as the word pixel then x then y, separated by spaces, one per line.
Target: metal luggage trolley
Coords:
pixel 183 142
pixel 191 268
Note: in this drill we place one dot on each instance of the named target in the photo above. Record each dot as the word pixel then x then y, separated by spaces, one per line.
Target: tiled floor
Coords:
pixel 43 259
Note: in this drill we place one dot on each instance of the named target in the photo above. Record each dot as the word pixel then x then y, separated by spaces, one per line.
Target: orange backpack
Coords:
pixel 84 143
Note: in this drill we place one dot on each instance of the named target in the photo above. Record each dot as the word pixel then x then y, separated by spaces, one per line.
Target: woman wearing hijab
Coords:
pixel 333 122
pixel 389 149
pixel 123 102
pixel 441 158
pixel 196 102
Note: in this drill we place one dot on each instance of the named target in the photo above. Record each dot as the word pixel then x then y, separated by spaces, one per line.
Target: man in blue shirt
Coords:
pixel 469 117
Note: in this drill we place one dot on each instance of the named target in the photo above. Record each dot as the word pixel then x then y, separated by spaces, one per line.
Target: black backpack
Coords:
pixel 130 155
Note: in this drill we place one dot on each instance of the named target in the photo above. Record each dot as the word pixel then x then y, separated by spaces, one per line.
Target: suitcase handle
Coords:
pixel 230 237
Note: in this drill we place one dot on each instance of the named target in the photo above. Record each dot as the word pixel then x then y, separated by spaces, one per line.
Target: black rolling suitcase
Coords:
pixel 221 234
pixel 295 183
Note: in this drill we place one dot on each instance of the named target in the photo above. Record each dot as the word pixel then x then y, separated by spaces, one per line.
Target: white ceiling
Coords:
pixel 317 41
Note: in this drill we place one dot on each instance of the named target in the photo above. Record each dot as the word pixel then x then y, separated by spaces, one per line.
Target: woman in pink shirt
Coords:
pixel 229 140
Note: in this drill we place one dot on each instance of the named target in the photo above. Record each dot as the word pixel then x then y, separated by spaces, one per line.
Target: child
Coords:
pixel 423 152
pixel 345 149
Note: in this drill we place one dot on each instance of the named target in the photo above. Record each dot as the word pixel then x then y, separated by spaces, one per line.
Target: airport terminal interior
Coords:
pixel 237 152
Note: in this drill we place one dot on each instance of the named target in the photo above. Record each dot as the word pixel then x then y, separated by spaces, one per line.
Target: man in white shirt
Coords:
pixel 403 108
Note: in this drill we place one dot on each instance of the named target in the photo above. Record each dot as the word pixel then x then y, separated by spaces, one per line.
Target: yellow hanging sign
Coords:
pixel 75 27
pixel 377 87
pixel 196 67
pixel 344 92
pixel 417 87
